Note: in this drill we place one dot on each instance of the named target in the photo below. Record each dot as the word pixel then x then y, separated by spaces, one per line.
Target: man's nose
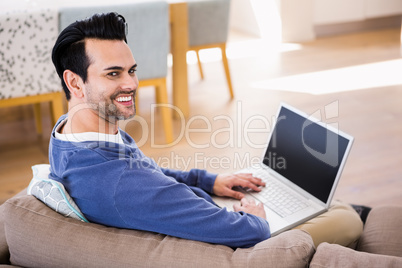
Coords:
pixel 130 82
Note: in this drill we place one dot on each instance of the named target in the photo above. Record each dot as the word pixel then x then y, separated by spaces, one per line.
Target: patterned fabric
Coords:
pixel 53 193
pixel 27 39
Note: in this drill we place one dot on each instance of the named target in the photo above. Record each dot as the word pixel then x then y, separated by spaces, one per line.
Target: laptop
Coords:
pixel 303 162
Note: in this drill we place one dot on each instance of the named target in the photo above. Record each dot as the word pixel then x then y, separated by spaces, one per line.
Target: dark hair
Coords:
pixel 69 50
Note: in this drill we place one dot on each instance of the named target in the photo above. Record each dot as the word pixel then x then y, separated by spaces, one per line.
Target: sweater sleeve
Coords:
pixel 137 195
pixel 195 177
pixel 149 200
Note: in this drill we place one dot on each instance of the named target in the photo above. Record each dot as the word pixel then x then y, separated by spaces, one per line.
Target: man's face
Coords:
pixel 111 82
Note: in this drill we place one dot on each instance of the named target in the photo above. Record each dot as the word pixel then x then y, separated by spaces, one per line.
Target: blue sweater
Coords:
pixel 117 185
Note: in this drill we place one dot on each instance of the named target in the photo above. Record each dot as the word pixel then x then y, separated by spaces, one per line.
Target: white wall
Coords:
pixel 257 17
pixel 242 17
pixel 338 11
pixel 298 17
pixel 330 11
pixel 380 8
pixel 297 20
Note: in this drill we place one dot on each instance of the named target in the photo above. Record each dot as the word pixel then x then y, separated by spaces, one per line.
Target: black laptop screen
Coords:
pixel 305 153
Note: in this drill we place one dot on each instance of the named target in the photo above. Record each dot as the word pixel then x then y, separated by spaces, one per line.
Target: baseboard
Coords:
pixel 358 26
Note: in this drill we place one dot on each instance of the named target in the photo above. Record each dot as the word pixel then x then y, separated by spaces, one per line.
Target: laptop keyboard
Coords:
pixel 277 197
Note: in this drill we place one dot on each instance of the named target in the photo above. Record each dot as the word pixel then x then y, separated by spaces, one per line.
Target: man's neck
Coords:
pixel 87 120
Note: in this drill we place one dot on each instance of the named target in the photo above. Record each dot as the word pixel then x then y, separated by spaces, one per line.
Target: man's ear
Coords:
pixel 74 83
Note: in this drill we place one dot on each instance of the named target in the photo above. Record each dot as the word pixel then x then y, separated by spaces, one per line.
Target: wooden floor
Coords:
pixel 352 80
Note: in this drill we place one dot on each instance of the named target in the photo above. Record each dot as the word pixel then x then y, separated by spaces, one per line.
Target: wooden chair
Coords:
pixel 208 28
pixel 56 106
pixel 148 39
pixel 27 75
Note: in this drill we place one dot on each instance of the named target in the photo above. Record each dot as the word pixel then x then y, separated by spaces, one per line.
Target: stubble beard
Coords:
pixel 108 111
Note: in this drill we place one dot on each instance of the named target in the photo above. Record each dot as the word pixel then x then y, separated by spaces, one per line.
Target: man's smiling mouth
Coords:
pixel 124 99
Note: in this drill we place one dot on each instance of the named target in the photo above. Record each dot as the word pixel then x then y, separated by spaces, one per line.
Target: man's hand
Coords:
pixel 225 182
pixel 250 207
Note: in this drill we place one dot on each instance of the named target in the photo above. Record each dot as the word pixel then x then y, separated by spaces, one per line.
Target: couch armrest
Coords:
pixel 382 232
pixel 38 236
pixel 332 255
pixel 288 249
pixel 4 253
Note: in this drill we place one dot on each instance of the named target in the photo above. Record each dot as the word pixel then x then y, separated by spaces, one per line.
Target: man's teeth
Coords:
pixel 122 99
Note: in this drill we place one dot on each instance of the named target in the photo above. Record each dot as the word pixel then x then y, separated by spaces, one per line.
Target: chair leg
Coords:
pixel 38 117
pixel 199 64
pixel 162 98
pixel 226 66
pixel 56 107
pixel 137 107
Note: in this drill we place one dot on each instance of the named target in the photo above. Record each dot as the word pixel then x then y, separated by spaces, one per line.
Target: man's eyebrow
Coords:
pixel 119 68
pixel 113 68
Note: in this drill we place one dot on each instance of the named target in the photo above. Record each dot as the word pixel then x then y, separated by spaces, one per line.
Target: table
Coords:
pixel 179 48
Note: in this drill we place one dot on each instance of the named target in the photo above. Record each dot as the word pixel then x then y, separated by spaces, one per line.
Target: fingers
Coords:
pixel 224 184
pixel 251 207
pixel 248 181
pixel 251 178
pixel 241 205
pixel 234 194
pixel 244 202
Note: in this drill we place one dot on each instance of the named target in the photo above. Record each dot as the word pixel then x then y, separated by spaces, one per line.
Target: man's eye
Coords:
pixel 132 72
pixel 112 74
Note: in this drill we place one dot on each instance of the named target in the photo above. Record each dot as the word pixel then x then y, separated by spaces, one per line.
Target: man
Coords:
pixel 112 181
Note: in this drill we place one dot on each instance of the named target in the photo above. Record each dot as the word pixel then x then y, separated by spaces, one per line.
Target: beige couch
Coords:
pixel 33 235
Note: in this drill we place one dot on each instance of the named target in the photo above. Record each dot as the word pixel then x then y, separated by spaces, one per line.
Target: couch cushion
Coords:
pixel 53 193
pixel 333 255
pixel 382 232
pixel 39 237
pixel 4 253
